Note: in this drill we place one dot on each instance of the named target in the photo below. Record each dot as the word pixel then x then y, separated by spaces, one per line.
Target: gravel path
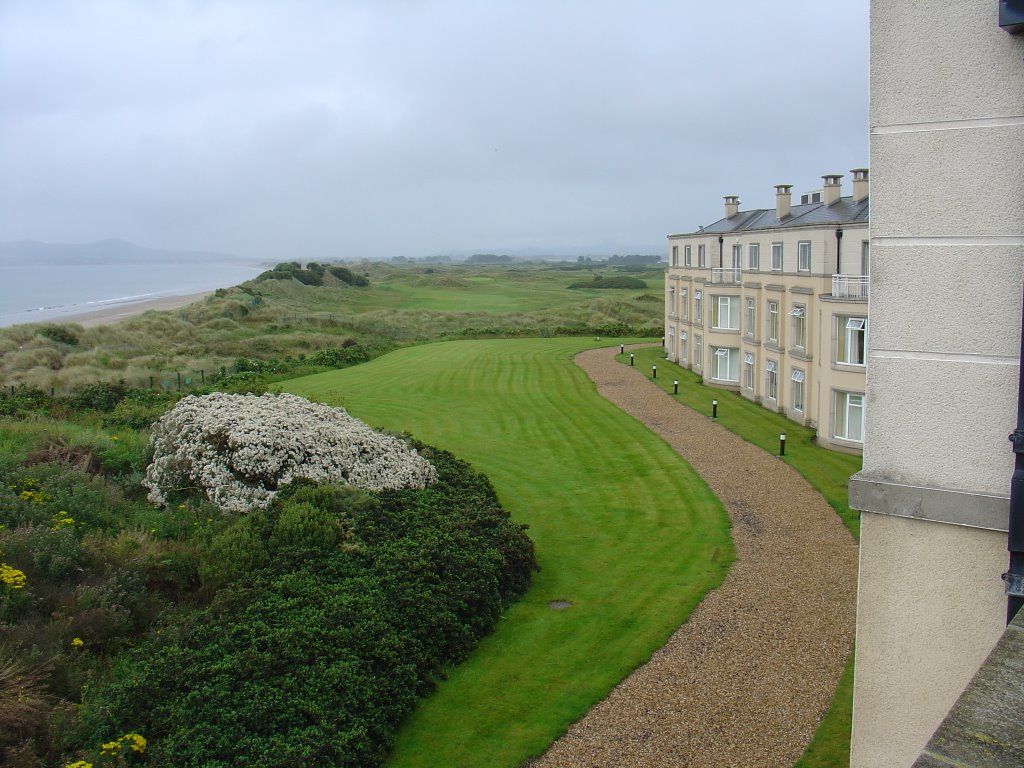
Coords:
pixel 745 681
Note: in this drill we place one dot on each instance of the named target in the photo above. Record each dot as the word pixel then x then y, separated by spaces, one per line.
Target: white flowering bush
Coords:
pixel 239 449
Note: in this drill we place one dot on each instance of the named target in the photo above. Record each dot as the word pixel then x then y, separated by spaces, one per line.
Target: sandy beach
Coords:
pixel 114 313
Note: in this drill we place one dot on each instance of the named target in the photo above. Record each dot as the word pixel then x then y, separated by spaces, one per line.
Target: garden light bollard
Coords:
pixel 714 409
pixel 631 358
pixel 675 387
pixel 782 444
pixel 654 371
pixel 622 349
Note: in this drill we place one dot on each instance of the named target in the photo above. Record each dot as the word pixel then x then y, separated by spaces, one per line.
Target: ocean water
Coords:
pixel 45 292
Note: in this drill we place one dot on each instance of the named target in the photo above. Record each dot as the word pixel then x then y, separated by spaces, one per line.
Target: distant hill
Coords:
pixel 104 252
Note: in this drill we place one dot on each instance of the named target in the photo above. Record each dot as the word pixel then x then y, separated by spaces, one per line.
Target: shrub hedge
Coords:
pixel 337 609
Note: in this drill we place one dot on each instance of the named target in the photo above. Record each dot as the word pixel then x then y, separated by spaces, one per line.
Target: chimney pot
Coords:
pixel 783 200
pixel 833 189
pixel 860 184
pixel 732 205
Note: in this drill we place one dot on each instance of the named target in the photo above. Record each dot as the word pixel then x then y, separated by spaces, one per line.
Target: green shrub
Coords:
pixel 346 275
pixel 356 606
pixel 102 396
pixel 618 281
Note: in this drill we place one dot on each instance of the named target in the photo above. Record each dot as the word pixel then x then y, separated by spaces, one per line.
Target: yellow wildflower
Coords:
pixel 12 577
pixel 77 642
pixel 135 741
pixel 110 748
pixel 79 764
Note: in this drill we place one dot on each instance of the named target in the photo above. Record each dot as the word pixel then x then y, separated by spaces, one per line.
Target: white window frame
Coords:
pixel 797 377
pixel 803 256
pixel 865 257
pixel 675 255
pixel 848 329
pixel 687 256
pixel 754 256
pixel 748 370
pixel 698 307
pixel 729 357
pixel 725 313
pixel 750 328
pixel 737 256
pixel 772 321
pixel 771 383
pixel 698 351
pixel 684 309
pixel 702 256
pixel 682 347
pixel 777 257
pixel 799 315
pixel 847 404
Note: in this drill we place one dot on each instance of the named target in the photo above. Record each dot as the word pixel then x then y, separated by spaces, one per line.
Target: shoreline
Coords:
pixel 117 312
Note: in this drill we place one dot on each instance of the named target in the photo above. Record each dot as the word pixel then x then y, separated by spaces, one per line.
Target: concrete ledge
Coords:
pixel 975 510
pixel 984 729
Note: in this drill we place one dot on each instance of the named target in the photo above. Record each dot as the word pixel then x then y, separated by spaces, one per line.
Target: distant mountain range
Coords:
pixel 105 252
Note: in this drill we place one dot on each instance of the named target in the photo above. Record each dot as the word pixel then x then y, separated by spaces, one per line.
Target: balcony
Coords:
pixel 850 286
pixel 726 275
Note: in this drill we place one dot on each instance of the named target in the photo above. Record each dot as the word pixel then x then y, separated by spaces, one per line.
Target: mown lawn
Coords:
pixel 624 530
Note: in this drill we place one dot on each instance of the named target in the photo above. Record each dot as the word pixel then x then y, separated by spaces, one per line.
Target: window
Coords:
pixel 698 352
pixel 851 333
pixel 773 322
pixel 675 255
pixel 671 301
pixel 698 306
pixel 725 313
pixel 798 389
pixel 865 257
pixel 799 315
pixel 776 257
pixel 754 256
pixel 701 256
pixel 687 256
pixel 849 416
pixel 750 328
pixel 748 370
pixel 682 347
pixel 771 384
pixel 803 256
pixel 683 303
pixel 737 256
pixel 726 364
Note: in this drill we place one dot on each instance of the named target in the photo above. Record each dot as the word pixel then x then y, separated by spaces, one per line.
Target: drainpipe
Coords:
pixel 1014 577
pixel 721 258
pixel 839 243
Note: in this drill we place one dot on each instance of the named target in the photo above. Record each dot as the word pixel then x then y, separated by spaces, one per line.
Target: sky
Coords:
pixel 348 129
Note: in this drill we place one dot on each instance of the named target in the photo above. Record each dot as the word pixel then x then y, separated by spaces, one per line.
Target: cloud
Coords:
pixel 412 127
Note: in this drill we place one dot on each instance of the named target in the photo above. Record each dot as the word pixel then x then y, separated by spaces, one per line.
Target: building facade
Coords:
pixel 947 231
pixel 772 303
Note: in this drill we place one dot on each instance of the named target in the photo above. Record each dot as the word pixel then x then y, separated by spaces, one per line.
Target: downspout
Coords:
pixel 1014 577
pixel 721 258
pixel 839 243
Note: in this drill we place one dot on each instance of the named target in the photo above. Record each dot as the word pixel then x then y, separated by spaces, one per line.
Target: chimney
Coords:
pixel 860 184
pixel 783 200
pixel 833 189
pixel 732 205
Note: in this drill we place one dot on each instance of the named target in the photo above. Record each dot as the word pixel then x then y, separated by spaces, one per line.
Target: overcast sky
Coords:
pixel 346 129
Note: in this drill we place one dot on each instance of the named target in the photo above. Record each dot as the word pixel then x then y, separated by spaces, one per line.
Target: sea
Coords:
pixel 47 292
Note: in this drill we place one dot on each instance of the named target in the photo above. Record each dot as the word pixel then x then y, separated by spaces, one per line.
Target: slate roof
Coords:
pixel 843 211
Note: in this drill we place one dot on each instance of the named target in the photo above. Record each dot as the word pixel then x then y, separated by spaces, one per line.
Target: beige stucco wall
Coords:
pixel 929 613
pixel 947 244
pixel 790 288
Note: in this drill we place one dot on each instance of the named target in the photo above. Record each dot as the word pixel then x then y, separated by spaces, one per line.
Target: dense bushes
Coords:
pixel 313 274
pixel 617 281
pixel 340 608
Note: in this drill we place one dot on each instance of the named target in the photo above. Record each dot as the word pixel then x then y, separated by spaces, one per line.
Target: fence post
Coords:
pixel 179 380
pixel 202 375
